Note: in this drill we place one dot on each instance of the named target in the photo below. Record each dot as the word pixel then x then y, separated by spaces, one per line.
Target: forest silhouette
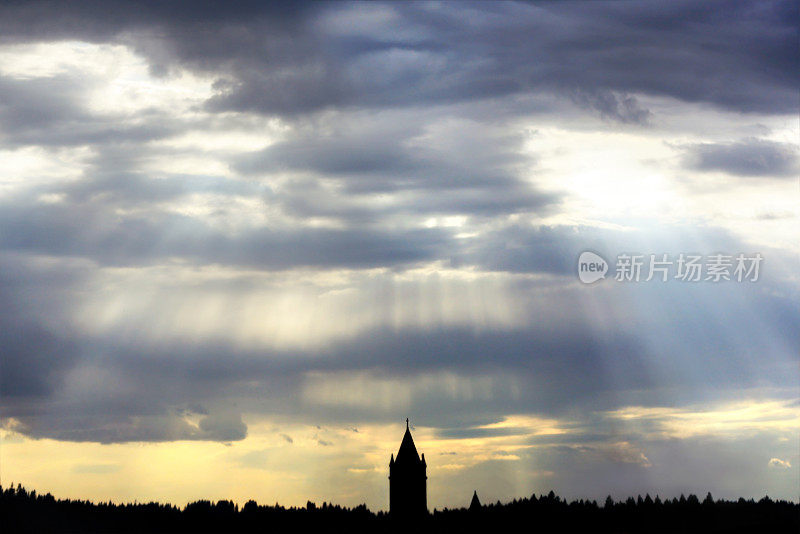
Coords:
pixel 26 511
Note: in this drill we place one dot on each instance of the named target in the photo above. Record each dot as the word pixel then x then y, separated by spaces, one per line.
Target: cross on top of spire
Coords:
pixel 408 451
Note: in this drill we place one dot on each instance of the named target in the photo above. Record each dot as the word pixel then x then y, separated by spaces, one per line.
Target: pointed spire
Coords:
pixel 408 451
pixel 476 503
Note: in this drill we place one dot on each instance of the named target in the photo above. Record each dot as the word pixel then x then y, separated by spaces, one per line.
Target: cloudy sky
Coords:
pixel 239 245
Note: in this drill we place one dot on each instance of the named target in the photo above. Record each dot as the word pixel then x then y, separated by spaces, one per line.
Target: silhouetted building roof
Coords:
pixel 407 480
pixel 476 503
pixel 408 451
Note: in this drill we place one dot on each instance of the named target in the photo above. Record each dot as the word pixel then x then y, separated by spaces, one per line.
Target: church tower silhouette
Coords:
pixel 408 480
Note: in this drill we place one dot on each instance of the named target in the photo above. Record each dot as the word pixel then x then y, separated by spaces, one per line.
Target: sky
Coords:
pixel 241 243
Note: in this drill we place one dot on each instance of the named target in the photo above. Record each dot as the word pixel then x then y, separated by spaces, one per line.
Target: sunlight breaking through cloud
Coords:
pixel 241 245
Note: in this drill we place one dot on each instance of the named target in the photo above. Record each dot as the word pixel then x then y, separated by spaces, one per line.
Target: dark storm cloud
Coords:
pixel 96 20
pixel 61 384
pixel 78 387
pixel 749 157
pixel 102 428
pixel 33 359
pixel 737 56
pixel 540 369
pixel 287 60
pixel 147 381
pixel 132 390
pixel 98 234
pixel 239 41
pixel 36 354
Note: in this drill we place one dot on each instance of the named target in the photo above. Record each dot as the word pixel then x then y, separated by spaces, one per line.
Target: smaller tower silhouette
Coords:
pixel 408 480
pixel 475 505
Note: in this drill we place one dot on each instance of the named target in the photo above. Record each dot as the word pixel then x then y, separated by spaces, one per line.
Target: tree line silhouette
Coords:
pixel 26 511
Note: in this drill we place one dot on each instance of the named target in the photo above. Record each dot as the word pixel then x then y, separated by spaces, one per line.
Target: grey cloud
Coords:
pixel 153 378
pixel 367 167
pixel 114 178
pixel 33 359
pixel 748 157
pixel 98 234
pixel 116 429
pixel 623 108
pixel 129 387
pixel 521 248
pixel 382 127
pixel 51 112
pixel 587 432
pixel 371 150
pixel 529 370
pixel 516 48
pixel 222 427
pixel 462 170
pixel 517 248
pixel 36 353
pixel 35 105
pixel 193 409
pixel 462 433
pixel 296 89
pixel 97 20
pixel 271 59
pixel 263 53
pixel 306 199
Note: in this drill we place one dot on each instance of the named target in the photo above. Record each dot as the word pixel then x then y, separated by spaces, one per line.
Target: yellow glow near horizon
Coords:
pixel 605 176
pixel 288 462
pixel 279 461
